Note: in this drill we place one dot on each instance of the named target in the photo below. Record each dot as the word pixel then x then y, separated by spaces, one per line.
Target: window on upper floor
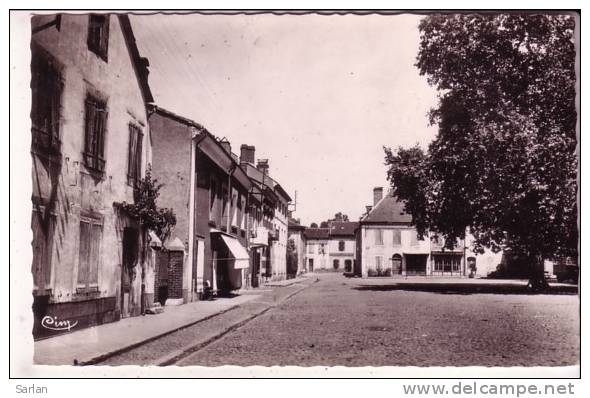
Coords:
pixel 397 237
pixel 379 237
pixel 98 35
pixel 46 87
pixel 212 198
pixel 134 154
pixel 341 246
pixel 96 122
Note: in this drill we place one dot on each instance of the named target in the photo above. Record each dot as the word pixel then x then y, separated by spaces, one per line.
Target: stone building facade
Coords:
pixel 90 144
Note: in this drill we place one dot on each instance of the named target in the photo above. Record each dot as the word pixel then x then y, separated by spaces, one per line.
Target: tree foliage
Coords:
pixel 504 161
pixel 145 209
pixel 313 225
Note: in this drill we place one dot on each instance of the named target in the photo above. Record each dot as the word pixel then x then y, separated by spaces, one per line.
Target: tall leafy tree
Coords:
pixel 504 162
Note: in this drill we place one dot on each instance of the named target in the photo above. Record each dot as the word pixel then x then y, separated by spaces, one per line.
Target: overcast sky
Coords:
pixel 318 96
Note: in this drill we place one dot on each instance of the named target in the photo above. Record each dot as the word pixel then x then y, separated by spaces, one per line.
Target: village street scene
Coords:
pixel 305 189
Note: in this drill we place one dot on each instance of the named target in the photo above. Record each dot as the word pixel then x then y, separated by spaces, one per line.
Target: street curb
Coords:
pixel 182 353
pixel 96 360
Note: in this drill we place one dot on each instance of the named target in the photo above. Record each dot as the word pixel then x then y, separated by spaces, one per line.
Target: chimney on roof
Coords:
pixel 262 165
pixel 247 154
pixel 226 145
pixel 377 195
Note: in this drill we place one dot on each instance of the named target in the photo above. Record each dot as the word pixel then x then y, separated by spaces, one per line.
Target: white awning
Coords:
pixel 238 252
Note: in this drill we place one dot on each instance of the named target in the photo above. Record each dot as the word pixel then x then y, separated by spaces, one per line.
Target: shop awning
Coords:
pixel 237 251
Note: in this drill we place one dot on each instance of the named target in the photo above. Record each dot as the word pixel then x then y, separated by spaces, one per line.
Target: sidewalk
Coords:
pixel 286 282
pixel 91 344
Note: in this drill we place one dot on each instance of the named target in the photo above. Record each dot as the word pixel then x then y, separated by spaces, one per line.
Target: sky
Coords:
pixel 319 96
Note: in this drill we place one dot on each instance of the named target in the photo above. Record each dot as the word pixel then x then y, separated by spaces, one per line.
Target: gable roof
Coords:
pixel 295 226
pixel 388 210
pixel 140 64
pixel 317 233
pixel 343 228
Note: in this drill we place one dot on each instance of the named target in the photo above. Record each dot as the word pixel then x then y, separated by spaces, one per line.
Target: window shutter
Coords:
pixel 56 92
pixel 89 126
pixel 101 135
pixel 131 154
pixel 84 253
pixel 138 152
pixel 94 255
pixel 104 37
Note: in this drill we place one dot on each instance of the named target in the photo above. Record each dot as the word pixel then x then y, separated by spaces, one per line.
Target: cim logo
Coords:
pixel 52 323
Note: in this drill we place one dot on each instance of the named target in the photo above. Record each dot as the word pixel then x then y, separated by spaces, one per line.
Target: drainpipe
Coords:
pixel 195 141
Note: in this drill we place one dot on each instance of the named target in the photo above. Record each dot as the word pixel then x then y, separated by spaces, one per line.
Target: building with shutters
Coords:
pixel 388 244
pixel 90 144
pixel 269 215
pixel 342 245
pixel 210 194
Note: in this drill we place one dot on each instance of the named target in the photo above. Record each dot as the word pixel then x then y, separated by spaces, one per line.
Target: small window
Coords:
pixel 134 159
pixel 98 35
pixel 336 264
pixel 397 237
pixel 47 87
pixel 341 246
pixel 379 237
pixel 96 121
pixel 212 199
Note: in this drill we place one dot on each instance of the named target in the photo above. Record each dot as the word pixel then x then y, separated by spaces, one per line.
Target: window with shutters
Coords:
pixel 96 121
pixel 46 90
pixel 379 237
pixel 341 246
pixel 134 158
pixel 98 35
pixel 43 227
pixel 397 237
pixel 213 199
pixel 89 255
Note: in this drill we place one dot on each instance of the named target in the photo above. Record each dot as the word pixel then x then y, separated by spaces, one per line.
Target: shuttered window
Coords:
pixel 96 121
pixel 134 154
pixel 397 237
pixel 43 227
pixel 98 35
pixel 89 255
pixel 379 237
pixel 46 90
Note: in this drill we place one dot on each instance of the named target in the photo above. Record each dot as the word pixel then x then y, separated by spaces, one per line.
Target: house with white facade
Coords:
pixel 388 244
pixel 342 245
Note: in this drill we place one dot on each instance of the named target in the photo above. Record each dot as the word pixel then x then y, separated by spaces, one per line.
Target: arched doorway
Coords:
pixel 396 264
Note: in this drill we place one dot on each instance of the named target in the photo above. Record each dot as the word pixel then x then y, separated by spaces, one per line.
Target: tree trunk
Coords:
pixel 537 279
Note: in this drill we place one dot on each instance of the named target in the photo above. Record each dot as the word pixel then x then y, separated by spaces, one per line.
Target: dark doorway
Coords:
pixel 396 264
pixel 416 264
pixel 130 260
pixel 347 265
pixel 311 265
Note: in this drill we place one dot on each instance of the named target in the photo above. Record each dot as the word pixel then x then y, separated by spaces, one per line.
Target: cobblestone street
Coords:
pixel 374 322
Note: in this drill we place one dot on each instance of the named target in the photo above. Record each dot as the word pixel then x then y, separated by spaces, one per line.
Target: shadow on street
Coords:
pixel 467 288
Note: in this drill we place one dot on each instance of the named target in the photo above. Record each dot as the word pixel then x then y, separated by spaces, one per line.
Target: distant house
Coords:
pixel 296 232
pixel 342 245
pixel 318 249
pixel 388 244
pixel 90 146
pixel 209 193
pixel 269 208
